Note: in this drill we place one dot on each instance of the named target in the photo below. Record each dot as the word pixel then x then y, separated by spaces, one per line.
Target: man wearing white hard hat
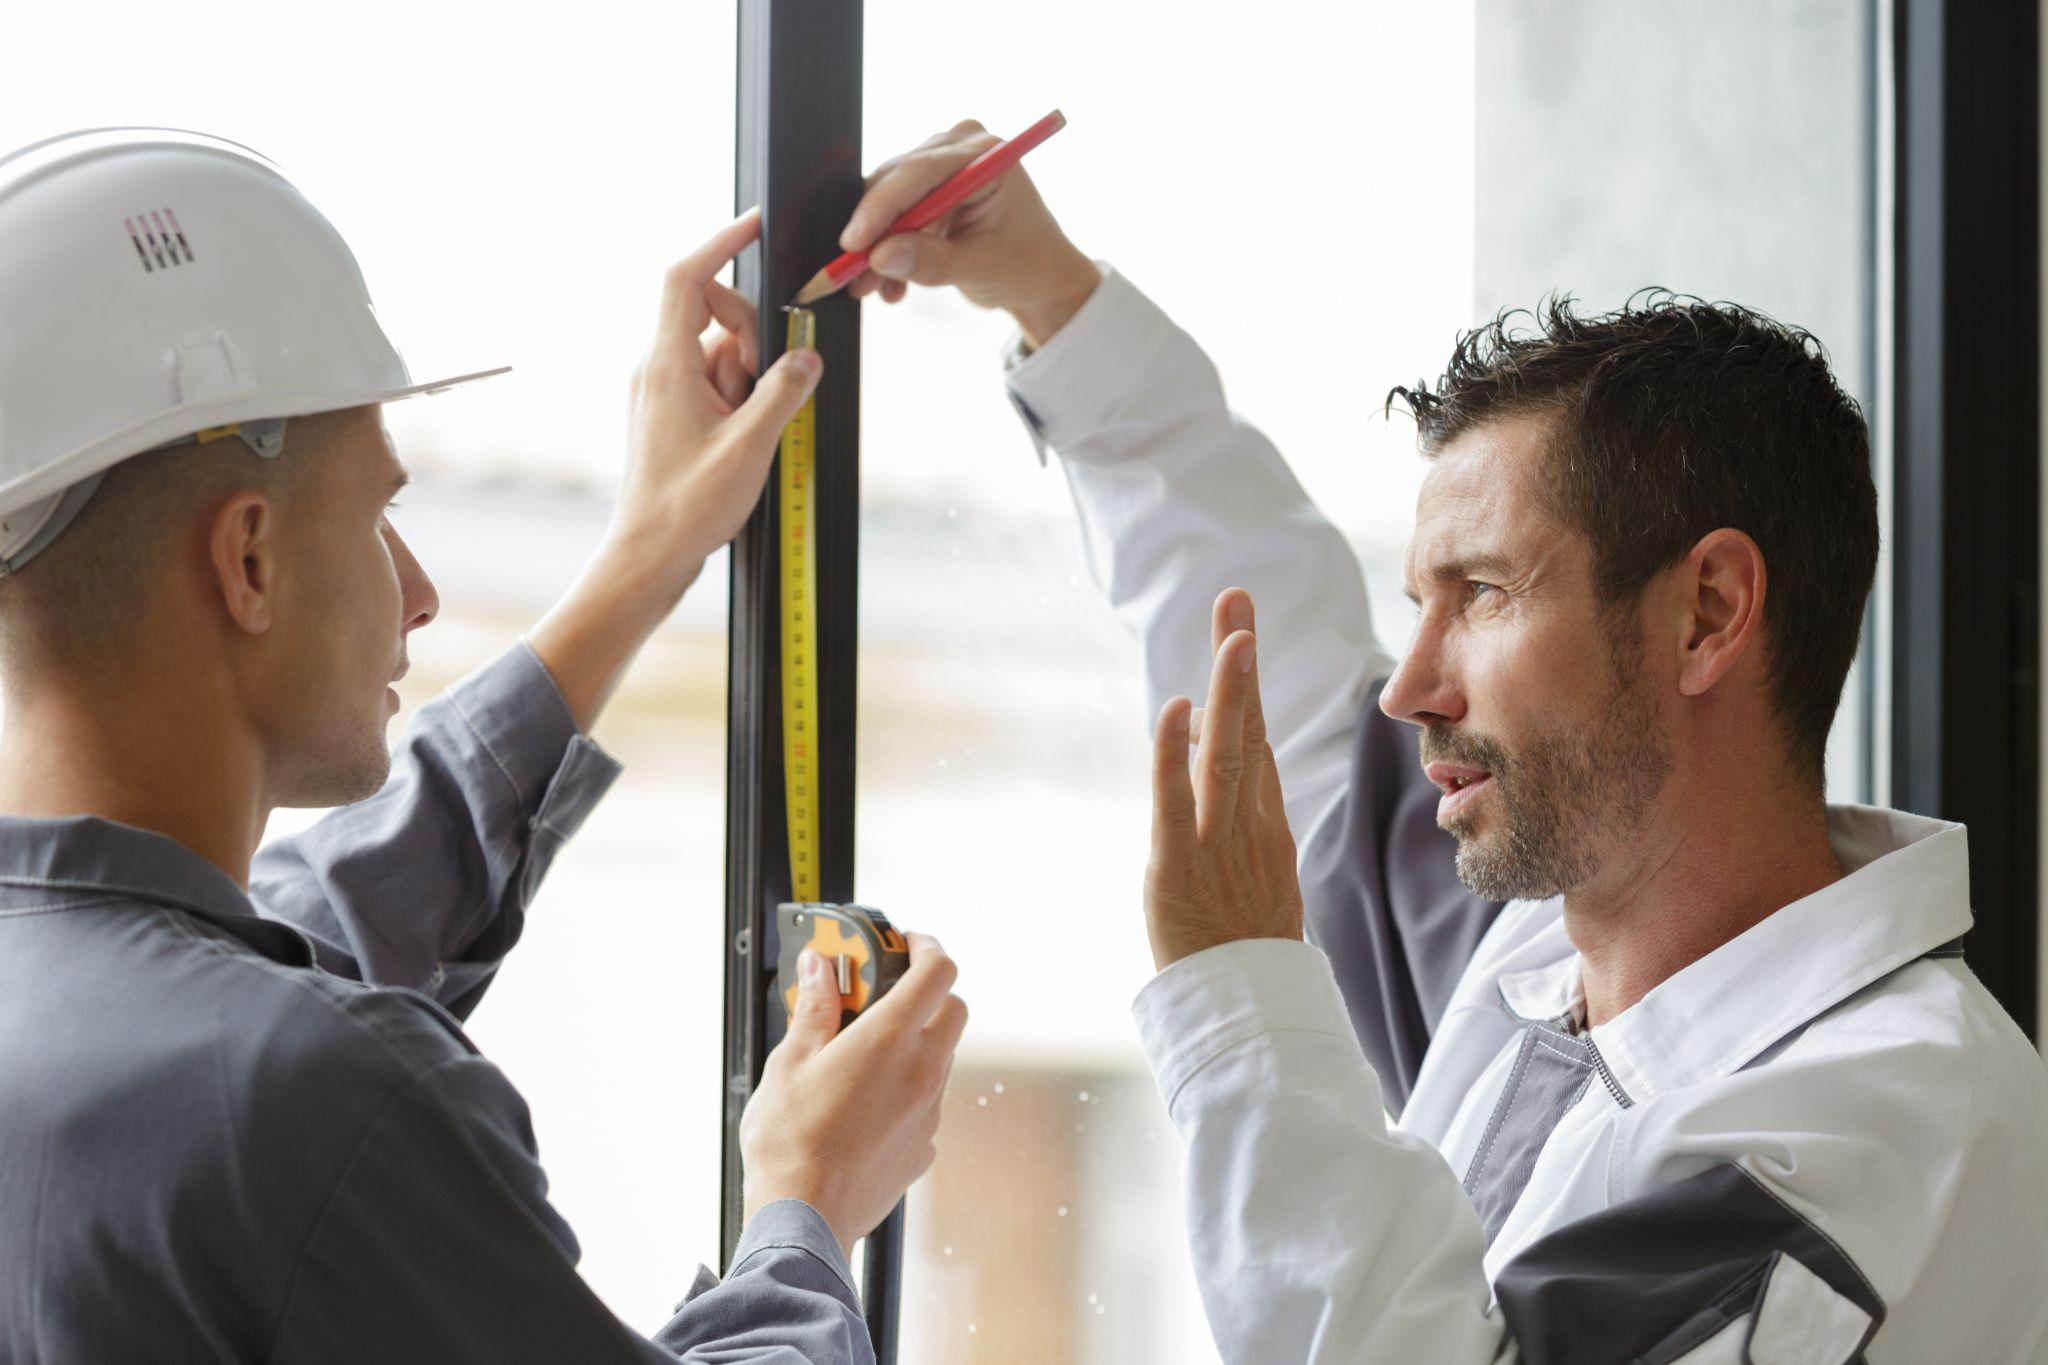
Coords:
pixel 239 1119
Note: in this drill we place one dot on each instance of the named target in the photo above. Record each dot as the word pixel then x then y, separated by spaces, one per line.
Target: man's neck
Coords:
pixel 61 758
pixel 1691 885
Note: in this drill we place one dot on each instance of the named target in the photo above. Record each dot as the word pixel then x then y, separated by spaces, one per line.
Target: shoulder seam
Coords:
pixel 1818 1230
pixel 415 1066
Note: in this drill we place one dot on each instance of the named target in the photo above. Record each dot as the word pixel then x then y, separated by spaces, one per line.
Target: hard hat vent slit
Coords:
pixel 164 241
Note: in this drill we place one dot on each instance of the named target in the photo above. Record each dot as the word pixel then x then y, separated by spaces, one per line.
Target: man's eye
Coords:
pixel 1477 589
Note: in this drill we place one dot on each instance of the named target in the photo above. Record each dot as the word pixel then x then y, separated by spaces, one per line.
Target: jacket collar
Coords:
pixel 1904 893
pixel 85 858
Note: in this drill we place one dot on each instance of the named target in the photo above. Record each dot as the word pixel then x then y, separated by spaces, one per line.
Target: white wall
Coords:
pixel 1720 150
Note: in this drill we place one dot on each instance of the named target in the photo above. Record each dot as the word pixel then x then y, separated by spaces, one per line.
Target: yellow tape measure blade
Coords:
pixel 802 767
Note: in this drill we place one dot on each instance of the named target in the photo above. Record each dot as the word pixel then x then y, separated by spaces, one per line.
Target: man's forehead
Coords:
pixel 365 442
pixel 1479 506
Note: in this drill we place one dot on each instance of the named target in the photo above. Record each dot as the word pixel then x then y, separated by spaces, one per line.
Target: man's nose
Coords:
pixel 418 602
pixel 1421 691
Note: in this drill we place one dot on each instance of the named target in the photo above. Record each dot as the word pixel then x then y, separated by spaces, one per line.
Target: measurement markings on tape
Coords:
pixel 802 752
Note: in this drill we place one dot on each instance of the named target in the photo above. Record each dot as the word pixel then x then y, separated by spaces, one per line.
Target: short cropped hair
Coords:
pixel 1672 417
pixel 76 603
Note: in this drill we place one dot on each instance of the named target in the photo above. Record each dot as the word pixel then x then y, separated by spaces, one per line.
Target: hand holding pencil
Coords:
pixel 998 244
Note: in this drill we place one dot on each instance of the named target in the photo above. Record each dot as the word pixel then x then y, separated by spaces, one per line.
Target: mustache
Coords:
pixel 1445 744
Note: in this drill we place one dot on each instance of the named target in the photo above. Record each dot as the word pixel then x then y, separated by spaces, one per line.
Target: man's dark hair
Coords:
pixel 1672 417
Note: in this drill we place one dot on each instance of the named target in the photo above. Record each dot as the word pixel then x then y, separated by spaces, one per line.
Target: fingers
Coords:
pixel 898 184
pixel 735 313
pixel 921 989
pixel 816 1017
pixel 1220 762
pixel 684 307
pixel 916 257
pixel 949 1021
pixel 1232 611
pixel 780 392
pixel 729 371
pixel 1173 797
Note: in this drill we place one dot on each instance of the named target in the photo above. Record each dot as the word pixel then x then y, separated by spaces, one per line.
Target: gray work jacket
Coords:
pixel 249 1127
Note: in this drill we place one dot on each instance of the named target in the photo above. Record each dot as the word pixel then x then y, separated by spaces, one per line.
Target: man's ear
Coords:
pixel 242 548
pixel 1724 580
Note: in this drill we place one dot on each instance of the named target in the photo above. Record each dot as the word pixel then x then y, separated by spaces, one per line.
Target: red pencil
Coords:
pixel 936 205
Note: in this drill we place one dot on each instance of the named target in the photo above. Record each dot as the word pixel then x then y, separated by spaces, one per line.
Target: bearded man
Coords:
pixel 1686 1063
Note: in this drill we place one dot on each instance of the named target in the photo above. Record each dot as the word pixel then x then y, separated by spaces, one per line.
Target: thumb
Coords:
pixel 816 1019
pixel 778 394
pixel 918 257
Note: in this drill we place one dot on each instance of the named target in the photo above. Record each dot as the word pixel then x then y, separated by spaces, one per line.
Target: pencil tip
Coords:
pixel 819 286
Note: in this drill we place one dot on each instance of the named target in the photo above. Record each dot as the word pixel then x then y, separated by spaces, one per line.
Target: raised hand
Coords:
pixel 699 444
pixel 1222 865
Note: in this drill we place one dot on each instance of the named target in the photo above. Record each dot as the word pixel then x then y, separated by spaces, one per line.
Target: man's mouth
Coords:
pixel 1459 784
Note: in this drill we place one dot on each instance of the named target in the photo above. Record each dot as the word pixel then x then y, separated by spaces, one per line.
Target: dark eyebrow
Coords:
pixel 1452 571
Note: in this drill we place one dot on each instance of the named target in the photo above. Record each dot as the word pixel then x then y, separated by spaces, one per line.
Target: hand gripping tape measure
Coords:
pixel 864 949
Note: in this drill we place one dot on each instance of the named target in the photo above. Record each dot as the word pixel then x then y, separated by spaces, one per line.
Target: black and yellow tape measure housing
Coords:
pixel 856 941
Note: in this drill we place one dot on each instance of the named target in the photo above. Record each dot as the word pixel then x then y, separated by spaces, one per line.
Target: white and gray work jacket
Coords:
pixel 1822 1142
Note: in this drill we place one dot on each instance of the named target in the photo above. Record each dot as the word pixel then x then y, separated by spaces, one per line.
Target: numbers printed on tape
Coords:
pixel 799 588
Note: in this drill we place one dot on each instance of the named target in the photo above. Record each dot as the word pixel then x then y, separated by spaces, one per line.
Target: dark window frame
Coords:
pixel 797 156
pixel 1966 471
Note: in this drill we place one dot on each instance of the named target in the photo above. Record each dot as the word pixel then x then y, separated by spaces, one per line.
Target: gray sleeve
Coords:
pixel 439 1245
pixel 789 1298
pixel 1382 897
pixel 426 883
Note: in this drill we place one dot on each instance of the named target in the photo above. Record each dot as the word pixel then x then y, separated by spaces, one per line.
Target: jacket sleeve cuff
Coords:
pixel 1081 377
pixel 1221 998
pixel 795 1225
pixel 518 716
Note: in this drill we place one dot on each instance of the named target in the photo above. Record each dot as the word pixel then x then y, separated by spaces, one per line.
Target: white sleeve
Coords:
pixel 1178 500
pixel 1318 1234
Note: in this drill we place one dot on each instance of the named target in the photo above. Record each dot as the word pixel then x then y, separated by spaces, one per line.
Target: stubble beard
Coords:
pixel 345 761
pixel 1562 799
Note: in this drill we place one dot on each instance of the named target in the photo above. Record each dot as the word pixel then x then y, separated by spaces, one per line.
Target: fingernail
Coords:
pixel 807 363
pixel 1241 613
pixel 1182 723
pixel 810 965
pixel 894 261
pixel 849 236
pixel 1244 656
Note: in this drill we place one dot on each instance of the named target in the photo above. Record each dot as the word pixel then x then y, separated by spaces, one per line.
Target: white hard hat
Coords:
pixel 158 284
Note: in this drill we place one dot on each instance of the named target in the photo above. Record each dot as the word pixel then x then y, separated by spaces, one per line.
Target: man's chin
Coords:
pixel 342 779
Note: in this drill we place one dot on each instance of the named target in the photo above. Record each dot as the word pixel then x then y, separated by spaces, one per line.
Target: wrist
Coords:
pixel 1069 282
pixel 641 565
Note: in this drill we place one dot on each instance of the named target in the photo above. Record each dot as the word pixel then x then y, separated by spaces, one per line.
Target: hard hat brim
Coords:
pixel 438 386
pixel 110 448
